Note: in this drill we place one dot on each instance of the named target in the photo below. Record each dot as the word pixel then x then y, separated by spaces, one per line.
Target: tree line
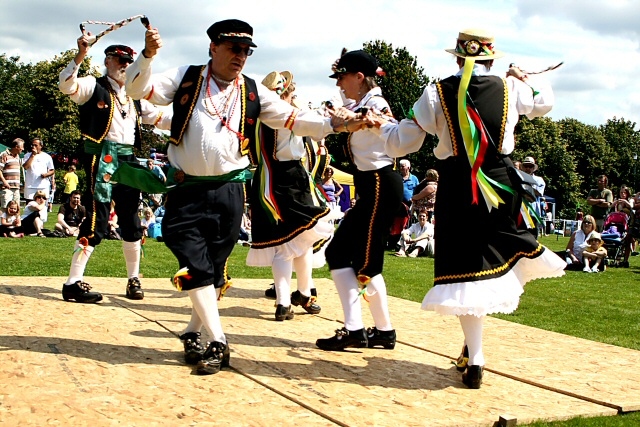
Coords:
pixel 570 154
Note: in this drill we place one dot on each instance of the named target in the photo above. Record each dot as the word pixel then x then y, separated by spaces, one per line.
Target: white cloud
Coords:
pixel 598 41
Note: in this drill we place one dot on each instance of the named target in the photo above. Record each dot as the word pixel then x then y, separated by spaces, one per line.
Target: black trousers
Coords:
pixel 95 226
pixel 359 241
pixel 201 226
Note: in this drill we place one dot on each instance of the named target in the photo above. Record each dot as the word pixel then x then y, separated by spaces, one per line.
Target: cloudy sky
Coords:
pixel 597 40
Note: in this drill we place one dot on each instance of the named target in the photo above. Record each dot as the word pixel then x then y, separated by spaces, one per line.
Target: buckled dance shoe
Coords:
pixel 344 339
pixel 134 289
pixel 463 360
pixel 308 303
pixel 472 377
pixel 214 358
pixel 80 292
pixel 283 313
pixel 376 338
pixel 193 348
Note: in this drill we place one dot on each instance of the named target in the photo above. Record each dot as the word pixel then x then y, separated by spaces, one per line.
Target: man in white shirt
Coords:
pixel 216 110
pixel 110 126
pixel 38 167
pixel 417 239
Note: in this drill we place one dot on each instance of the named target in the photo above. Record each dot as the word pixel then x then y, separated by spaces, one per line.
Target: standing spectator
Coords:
pixel 70 183
pixel 10 163
pixel 624 202
pixel 409 181
pixel 485 272
pixel 331 188
pixel 529 166
pixel 210 137
pixel 600 199
pixel 424 199
pixel 71 215
pixel 52 192
pixel 110 123
pixel 38 167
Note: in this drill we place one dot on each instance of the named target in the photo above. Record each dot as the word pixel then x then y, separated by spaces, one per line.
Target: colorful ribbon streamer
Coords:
pixel 267 199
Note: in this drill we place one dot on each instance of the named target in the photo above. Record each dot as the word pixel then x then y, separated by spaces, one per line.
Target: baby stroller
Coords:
pixel 614 231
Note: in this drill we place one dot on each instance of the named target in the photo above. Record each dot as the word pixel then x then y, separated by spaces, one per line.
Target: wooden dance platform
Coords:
pixel 120 363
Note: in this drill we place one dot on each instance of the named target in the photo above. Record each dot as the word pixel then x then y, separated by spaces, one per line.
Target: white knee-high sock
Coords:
pixel 78 263
pixel 282 270
pixel 378 303
pixel 195 323
pixel 347 287
pixel 303 266
pixel 206 305
pixel 472 329
pixel 131 251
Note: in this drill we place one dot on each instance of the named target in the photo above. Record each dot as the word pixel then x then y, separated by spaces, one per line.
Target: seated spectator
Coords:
pixel 424 197
pixel 114 228
pixel 156 170
pixel 578 243
pixel 594 254
pixel 71 215
pixel 35 214
pixel 147 221
pixel 352 203
pixel 417 239
pixel 10 222
pixel 245 230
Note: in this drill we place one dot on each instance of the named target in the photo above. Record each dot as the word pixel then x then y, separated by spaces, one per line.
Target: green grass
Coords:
pixel 600 307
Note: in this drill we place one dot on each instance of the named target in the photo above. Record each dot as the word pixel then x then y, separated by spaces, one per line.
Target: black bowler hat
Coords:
pixel 121 51
pixel 356 61
pixel 232 30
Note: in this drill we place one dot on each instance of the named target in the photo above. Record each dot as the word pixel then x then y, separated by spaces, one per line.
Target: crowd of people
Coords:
pixel 217 113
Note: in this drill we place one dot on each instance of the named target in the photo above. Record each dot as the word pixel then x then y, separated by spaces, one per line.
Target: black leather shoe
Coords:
pixel 344 339
pixel 386 339
pixel 472 377
pixel 463 360
pixel 80 292
pixel 308 303
pixel 193 348
pixel 283 313
pixel 215 358
pixel 271 292
pixel 134 289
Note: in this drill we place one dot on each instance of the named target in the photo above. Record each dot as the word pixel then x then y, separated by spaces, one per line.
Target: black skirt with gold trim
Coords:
pixel 292 193
pixel 473 243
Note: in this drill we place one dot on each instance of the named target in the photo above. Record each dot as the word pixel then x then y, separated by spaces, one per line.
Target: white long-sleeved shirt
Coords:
pixel 208 147
pixel 366 146
pixel 407 136
pixel 122 129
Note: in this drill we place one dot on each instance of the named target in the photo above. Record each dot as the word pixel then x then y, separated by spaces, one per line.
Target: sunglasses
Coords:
pixel 40 197
pixel 122 60
pixel 587 222
pixel 237 49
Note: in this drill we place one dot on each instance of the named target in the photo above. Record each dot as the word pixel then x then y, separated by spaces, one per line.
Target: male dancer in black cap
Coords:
pixel 110 125
pixel 216 109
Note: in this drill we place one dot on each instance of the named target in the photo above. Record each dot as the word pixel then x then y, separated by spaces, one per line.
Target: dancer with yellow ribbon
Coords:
pixel 483 260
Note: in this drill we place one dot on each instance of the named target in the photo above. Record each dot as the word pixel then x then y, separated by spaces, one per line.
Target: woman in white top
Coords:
pixel 356 253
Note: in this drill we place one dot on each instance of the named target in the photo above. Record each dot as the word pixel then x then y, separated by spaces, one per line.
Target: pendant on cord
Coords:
pixel 124 114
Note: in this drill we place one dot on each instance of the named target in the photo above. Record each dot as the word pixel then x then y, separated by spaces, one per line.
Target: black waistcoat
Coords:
pixel 186 97
pixel 97 113
pixel 490 97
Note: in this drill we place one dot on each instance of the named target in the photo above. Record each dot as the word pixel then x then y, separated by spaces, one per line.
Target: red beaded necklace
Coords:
pixel 225 120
